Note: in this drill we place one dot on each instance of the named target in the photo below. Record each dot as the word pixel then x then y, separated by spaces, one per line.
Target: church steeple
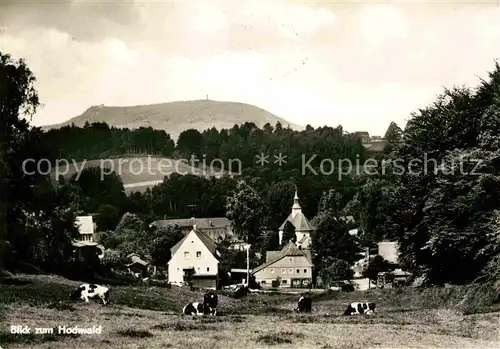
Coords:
pixel 296 206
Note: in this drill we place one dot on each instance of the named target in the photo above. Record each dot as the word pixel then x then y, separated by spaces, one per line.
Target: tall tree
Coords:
pixel 245 208
pixel 331 238
pixel 18 99
pixel 394 133
pixel 160 243
pixel 190 143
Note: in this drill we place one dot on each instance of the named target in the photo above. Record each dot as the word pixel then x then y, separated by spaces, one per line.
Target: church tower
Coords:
pixel 303 227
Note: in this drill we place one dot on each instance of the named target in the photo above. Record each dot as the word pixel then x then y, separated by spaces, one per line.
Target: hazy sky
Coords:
pixel 358 64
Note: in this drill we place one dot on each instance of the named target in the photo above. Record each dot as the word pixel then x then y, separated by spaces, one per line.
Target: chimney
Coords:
pixel 194 226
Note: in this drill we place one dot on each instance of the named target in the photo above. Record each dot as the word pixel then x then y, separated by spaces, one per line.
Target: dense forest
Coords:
pixel 186 196
pixel 443 209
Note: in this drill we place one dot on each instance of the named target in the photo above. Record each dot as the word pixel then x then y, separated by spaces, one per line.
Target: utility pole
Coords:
pixel 248 265
pixel 368 265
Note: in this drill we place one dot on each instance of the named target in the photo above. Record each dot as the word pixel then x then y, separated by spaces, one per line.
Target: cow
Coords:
pixel 86 291
pixel 193 309
pixel 304 304
pixel 241 291
pixel 210 301
pixel 367 308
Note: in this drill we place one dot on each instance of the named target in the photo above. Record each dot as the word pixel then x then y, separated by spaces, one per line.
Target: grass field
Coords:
pixel 147 317
pixel 140 172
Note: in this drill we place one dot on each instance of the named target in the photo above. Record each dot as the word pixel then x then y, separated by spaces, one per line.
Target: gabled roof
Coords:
pixel 207 241
pixel 201 223
pixel 137 260
pixel 299 221
pixel 272 255
pixel 290 250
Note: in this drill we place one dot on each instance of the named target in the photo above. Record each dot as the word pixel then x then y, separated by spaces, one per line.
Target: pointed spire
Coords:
pixel 296 206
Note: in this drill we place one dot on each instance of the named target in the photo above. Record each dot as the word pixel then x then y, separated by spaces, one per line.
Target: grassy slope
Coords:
pixel 140 172
pixel 175 117
pixel 260 321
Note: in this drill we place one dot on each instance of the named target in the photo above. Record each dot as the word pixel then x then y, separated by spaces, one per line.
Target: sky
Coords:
pixel 356 64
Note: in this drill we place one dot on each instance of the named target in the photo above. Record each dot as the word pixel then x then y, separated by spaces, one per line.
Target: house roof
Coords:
pixel 85 224
pixel 201 223
pixel 137 260
pixel 377 146
pixel 290 250
pixel 299 221
pixel 207 241
pixel 272 255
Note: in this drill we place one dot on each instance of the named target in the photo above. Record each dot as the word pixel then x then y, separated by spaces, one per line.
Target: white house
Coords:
pixel 86 227
pixel 195 257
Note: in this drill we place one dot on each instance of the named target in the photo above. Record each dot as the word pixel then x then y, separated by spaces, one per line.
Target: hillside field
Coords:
pixel 140 172
pixel 148 317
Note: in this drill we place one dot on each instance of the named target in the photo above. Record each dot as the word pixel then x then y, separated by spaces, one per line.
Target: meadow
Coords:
pixel 148 317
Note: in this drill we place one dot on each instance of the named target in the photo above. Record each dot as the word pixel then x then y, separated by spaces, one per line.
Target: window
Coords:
pixel 290 271
pixel 284 281
pixel 263 282
pixel 291 259
pixel 298 271
pixel 283 271
pixel 186 255
pixel 178 269
pixel 208 268
pixel 305 270
pixel 272 270
pixel 198 254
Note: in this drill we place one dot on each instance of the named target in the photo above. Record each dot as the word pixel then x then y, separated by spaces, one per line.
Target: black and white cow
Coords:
pixel 367 308
pixel 304 304
pixel 193 309
pixel 86 291
pixel 210 301
pixel 208 307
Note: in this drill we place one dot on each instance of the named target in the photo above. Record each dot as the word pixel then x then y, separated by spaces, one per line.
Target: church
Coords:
pixel 297 222
pixel 292 266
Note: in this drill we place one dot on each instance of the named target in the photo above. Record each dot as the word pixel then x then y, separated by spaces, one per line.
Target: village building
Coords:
pixel 389 251
pixel 194 260
pixel 217 228
pixel 299 223
pixel 139 265
pixel 86 248
pixel 86 227
pixel 292 266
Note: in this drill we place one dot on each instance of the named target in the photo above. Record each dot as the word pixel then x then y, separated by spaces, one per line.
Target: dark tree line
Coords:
pixel 98 140
pixel 444 213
